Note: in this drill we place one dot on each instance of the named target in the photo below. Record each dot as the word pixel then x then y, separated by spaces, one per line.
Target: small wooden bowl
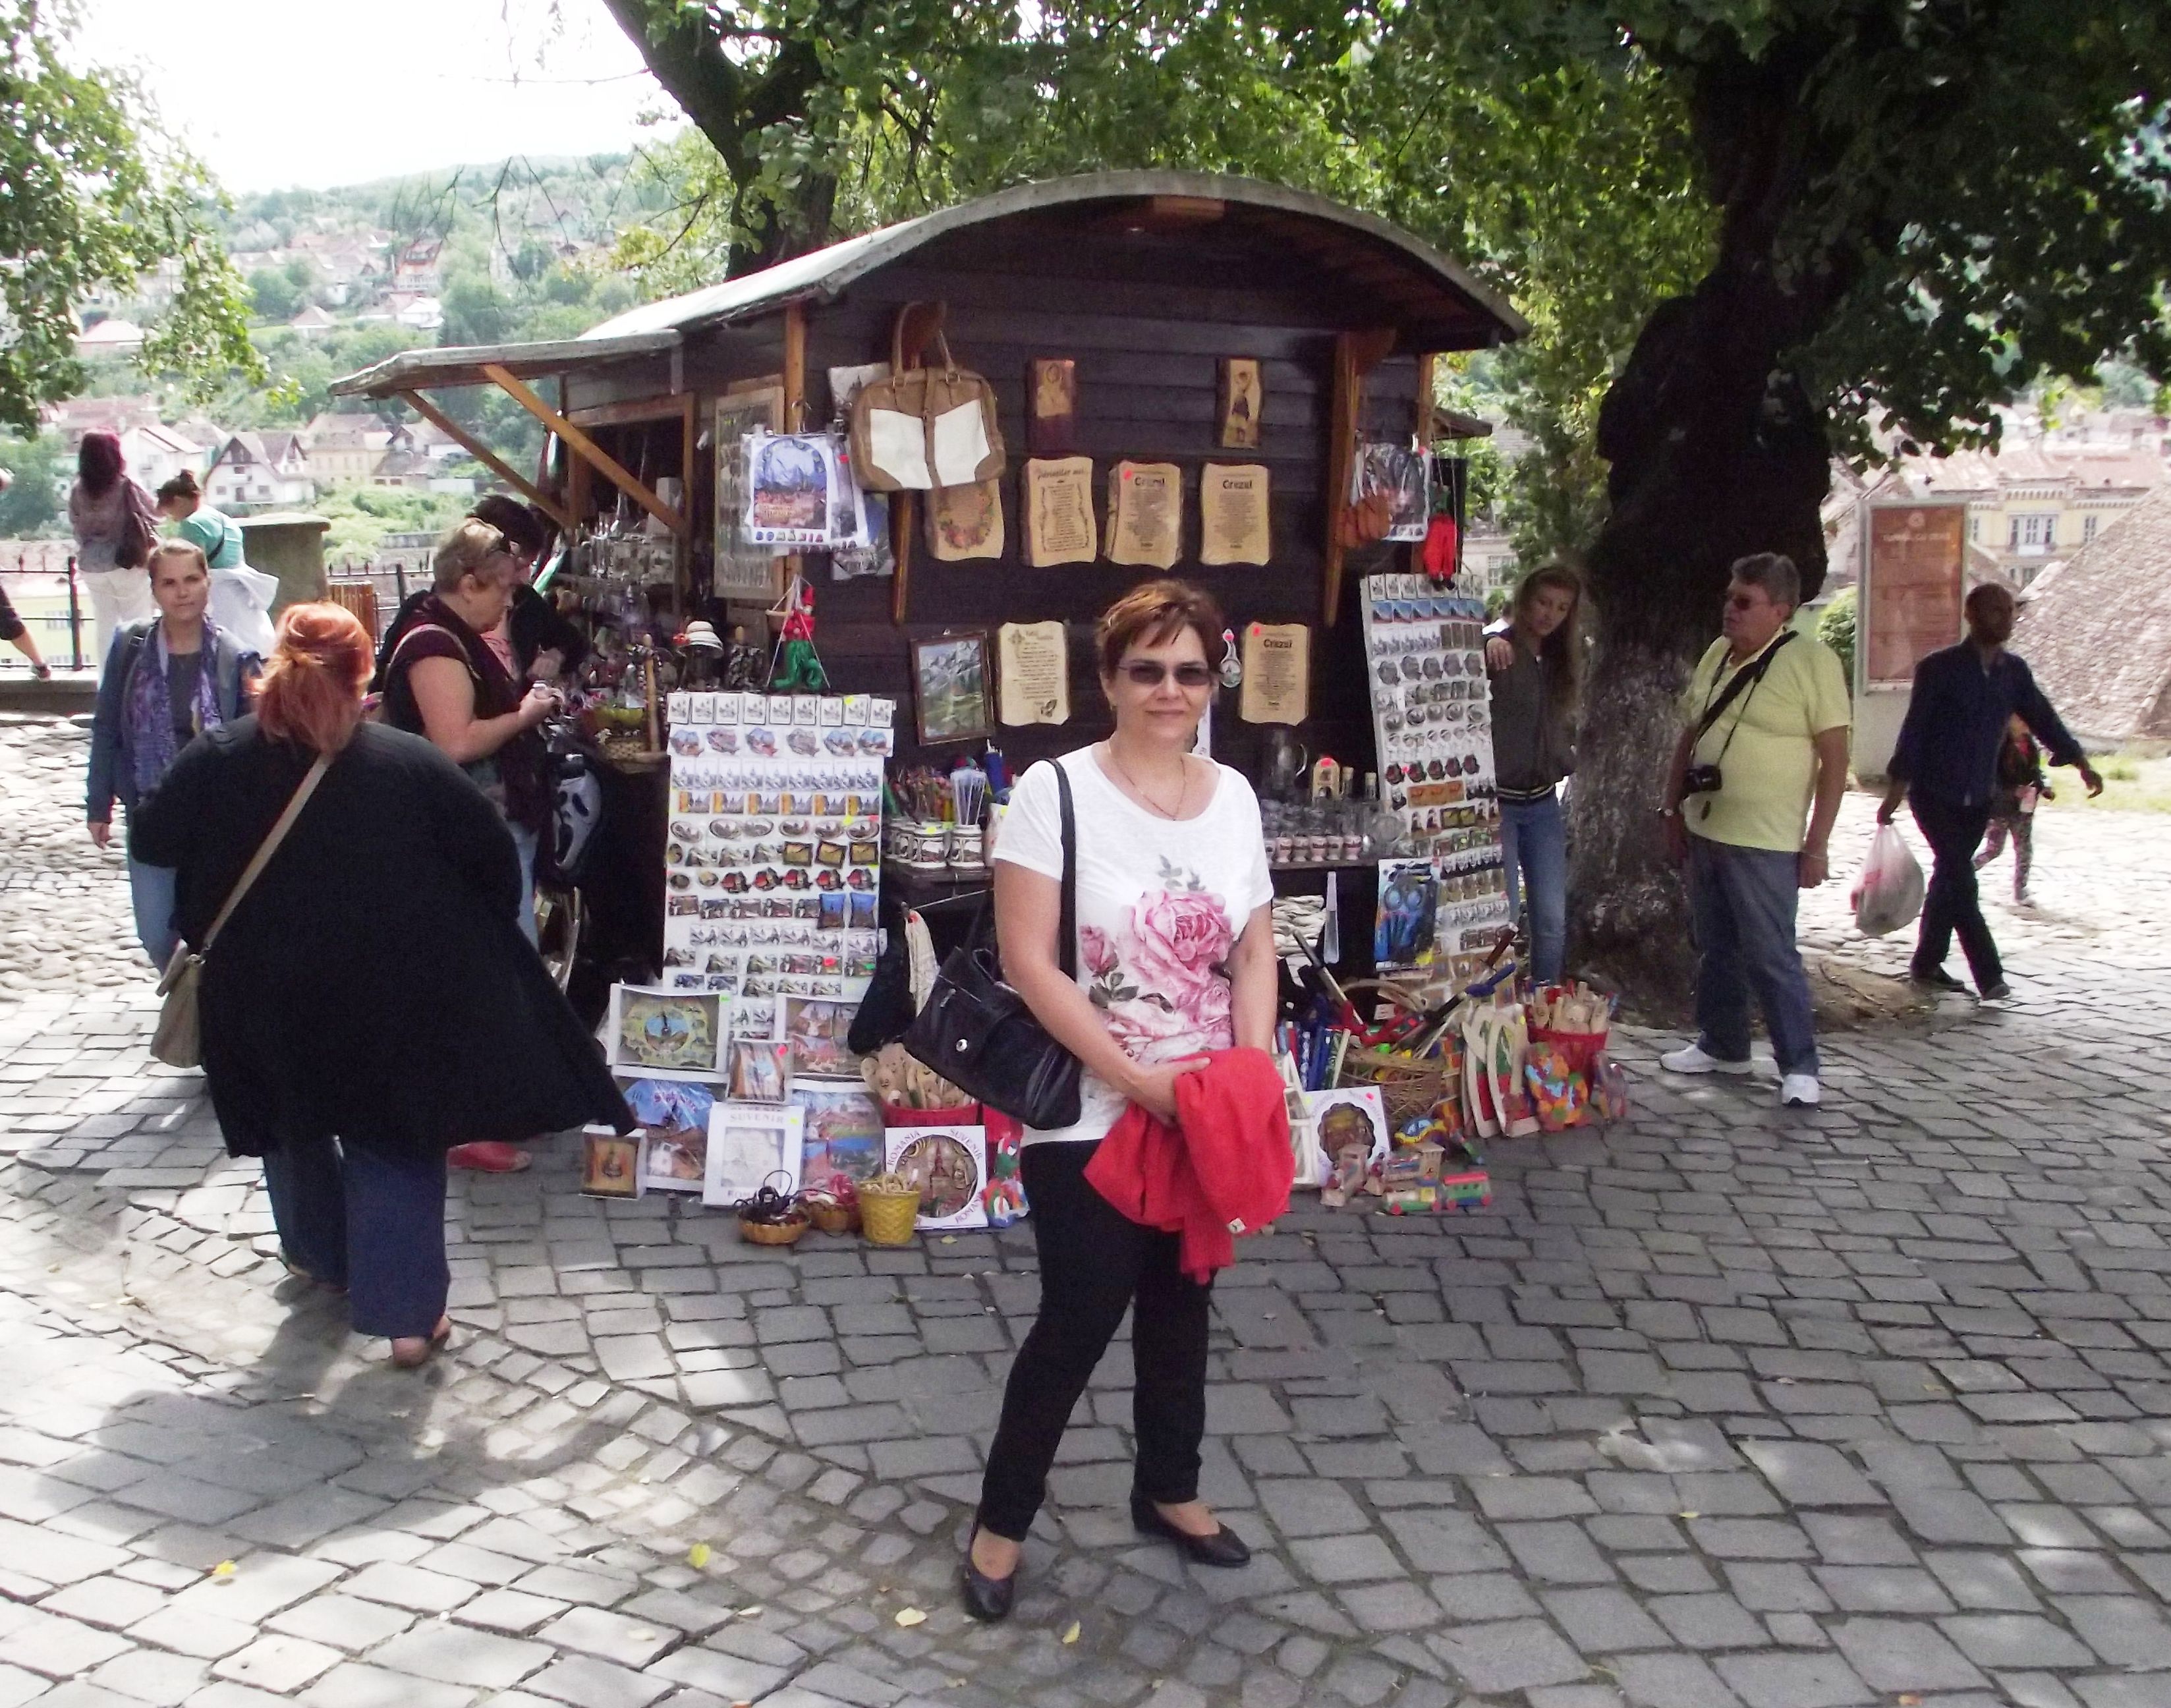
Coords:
pixel 785 1233
pixel 833 1218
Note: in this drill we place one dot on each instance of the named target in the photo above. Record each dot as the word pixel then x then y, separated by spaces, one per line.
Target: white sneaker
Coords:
pixel 1799 1091
pixel 1690 1058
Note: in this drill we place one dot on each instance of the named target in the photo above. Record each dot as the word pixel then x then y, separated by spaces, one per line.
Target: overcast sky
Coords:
pixel 276 94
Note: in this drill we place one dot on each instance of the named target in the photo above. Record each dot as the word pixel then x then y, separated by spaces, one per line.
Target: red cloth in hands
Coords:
pixel 1225 1169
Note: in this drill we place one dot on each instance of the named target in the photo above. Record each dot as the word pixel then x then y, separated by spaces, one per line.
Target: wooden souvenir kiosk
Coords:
pixel 1152 285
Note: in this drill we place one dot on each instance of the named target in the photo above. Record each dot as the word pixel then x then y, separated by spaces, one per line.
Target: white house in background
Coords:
pixel 156 453
pixel 110 336
pixel 260 471
pixel 312 321
pixel 420 314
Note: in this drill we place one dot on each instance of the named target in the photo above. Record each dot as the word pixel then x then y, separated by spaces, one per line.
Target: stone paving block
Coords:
pixel 355 1685
pixel 57 1559
pixel 610 1636
pixel 59 1648
pixel 1603 1621
pixel 260 1586
pixel 2015 1640
pixel 1513 1655
pixel 457 1654
pixel 1344 1559
pixel 1556 1552
pixel 1779 1680
pixel 1897 1655
pixel 409 1587
pixel 1809 1473
pixel 152 1676
pixel 1672 1681
pixel 111 1602
pixel 203 1635
pixel 1301 1507
pixel 278 1664
pixel 344 1622
pixel 2123 1630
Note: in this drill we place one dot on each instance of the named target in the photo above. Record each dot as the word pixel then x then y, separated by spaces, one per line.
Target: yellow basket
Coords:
pixel 888 1218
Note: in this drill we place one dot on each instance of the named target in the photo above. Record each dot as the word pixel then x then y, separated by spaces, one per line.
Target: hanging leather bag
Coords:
pixel 979 1035
pixel 925 427
pixel 179 1039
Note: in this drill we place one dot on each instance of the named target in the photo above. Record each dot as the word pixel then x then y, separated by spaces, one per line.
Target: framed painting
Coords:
pixel 950 677
pixel 755 406
pixel 751 1145
pixel 670 1032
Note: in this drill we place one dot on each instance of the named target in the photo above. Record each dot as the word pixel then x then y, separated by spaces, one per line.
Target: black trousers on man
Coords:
pixel 1095 1263
pixel 1952 904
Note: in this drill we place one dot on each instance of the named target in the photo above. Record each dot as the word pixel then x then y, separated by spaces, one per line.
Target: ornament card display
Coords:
pixel 773 862
pixel 1431 714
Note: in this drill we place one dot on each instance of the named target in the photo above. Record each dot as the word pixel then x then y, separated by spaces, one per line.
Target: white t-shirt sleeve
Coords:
pixel 1032 833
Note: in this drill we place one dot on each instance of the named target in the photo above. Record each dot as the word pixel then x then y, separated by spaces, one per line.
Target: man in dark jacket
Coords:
pixel 1945 767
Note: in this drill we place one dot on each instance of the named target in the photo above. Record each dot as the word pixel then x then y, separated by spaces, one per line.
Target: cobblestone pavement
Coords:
pixel 1729 1406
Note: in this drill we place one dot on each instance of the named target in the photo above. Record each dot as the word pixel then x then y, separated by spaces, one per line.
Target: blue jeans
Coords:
pixel 1533 847
pixel 527 841
pixel 150 895
pixel 1743 901
pixel 369 1220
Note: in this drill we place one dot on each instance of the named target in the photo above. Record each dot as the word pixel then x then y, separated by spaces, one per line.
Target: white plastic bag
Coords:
pixel 1888 894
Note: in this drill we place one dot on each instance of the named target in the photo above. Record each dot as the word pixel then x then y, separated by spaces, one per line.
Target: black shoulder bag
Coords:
pixel 979 1035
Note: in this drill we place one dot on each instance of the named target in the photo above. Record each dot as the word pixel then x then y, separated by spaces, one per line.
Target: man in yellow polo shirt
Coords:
pixel 1747 772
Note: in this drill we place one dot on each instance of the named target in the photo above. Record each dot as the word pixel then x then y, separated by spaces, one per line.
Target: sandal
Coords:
pixel 412 1351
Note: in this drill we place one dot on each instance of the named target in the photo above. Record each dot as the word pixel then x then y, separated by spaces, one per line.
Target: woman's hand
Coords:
pixel 1153 1088
pixel 542 701
pixel 1499 653
pixel 101 831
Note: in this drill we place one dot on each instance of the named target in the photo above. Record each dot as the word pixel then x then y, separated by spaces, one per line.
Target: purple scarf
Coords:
pixel 152 744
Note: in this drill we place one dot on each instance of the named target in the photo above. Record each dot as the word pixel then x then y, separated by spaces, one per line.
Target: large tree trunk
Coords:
pixel 1715 453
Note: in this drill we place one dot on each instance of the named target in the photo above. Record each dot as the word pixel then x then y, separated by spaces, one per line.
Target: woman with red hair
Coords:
pixel 114 524
pixel 370 1002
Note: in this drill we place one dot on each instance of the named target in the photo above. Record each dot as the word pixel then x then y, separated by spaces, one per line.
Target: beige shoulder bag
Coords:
pixel 178 1040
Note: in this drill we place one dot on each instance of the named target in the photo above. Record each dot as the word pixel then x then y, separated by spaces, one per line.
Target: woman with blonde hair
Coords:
pixel 367 1003
pixel 1534 664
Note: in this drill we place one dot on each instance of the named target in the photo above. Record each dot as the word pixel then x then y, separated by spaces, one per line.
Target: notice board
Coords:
pixel 1910 586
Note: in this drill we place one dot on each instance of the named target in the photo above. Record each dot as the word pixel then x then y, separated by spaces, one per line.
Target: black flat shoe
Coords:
pixel 1936 977
pixel 987 1599
pixel 1225 1547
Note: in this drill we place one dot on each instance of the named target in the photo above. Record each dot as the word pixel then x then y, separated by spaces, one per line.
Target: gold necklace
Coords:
pixel 1182 794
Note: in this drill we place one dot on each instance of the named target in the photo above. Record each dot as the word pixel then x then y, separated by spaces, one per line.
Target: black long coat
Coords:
pixel 373 983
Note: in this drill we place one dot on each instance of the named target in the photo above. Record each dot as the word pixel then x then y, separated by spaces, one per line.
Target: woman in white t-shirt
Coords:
pixel 1175 958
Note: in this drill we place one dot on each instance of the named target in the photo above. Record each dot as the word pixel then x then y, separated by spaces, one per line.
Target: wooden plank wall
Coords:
pixel 1145 321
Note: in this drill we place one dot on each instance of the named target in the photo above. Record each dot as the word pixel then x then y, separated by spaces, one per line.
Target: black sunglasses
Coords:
pixel 1151 673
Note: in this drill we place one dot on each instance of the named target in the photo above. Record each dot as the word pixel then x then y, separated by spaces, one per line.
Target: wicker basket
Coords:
pixel 1409 1085
pixel 888 1218
pixel 774 1233
pixel 831 1216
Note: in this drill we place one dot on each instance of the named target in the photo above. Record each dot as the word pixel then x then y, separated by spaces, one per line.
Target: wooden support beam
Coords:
pixel 794 400
pixel 489 458
pixel 1356 354
pixel 584 447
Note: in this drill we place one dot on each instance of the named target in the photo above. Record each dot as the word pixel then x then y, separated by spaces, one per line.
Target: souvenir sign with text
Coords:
pixel 1233 518
pixel 1146 514
pixel 750 1146
pixel 773 856
pixel 950 1167
pixel 1059 526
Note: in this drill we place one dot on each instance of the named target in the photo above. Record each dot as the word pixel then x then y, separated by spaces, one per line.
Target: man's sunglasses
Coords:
pixel 1741 602
pixel 1151 673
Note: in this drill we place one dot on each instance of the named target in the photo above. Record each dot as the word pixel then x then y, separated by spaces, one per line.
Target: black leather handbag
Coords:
pixel 979 1035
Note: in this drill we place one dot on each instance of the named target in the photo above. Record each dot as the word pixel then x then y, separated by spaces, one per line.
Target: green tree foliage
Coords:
pixel 1836 626
pixel 35 504
pixel 93 199
pixel 273 295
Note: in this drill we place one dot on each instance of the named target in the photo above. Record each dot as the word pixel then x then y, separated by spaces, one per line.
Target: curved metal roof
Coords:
pixel 826 272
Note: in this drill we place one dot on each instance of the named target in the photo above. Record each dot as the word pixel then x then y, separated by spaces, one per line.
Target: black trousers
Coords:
pixel 1952 905
pixel 1094 1264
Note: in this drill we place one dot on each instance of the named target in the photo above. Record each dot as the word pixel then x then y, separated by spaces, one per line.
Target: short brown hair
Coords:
pixel 1154 612
pixel 175 548
pixel 464 550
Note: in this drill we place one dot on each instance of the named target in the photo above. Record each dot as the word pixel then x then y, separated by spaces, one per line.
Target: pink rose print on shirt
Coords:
pixel 1181 941
pixel 1099 954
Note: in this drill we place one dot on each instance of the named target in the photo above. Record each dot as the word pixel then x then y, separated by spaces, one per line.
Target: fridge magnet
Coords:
pixel 674 1116
pixel 950 1167
pixel 965 521
pixel 1051 422
pixel 759 1070
pixel 749 1143
pixel 841 1131
pixel 676 1032
pixel 1242 396
pixel 950 675
pixel 816 1032
pixel 1399 475
pixel 796 493
pixel 611 1164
